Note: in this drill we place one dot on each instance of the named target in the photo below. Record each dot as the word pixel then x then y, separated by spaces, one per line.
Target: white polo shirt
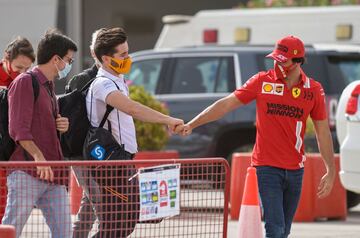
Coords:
pixel 102 86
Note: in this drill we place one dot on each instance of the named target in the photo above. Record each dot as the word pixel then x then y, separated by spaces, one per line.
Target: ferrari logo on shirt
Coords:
pixel 296 92
pixel 273 88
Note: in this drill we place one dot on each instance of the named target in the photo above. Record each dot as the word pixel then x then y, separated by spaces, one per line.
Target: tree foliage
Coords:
pixel 150 136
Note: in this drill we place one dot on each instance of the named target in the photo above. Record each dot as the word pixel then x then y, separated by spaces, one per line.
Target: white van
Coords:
pixel 336 24
pixel 348 132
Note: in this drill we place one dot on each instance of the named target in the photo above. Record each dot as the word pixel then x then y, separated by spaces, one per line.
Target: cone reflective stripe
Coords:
pixel 250 218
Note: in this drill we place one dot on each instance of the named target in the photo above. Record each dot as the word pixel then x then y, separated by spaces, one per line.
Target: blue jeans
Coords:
pixel 280 191
pixel 26 191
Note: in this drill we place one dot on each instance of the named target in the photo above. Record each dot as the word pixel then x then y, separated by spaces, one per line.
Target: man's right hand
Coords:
pixel 183 130
pixel 174 123
pixel 44 172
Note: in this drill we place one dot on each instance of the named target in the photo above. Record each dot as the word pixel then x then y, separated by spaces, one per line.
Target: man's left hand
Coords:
pixel 326 184
pixel 62 124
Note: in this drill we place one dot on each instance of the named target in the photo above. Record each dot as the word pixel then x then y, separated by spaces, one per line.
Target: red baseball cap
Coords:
pixel 287 48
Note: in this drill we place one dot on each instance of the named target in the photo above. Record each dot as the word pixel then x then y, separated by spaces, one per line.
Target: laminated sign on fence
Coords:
pixel 159 191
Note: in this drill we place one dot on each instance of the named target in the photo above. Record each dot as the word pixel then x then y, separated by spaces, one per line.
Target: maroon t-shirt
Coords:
pixel 34 120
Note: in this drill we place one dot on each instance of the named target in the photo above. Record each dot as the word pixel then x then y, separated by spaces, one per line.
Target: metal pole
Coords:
pixel 74 30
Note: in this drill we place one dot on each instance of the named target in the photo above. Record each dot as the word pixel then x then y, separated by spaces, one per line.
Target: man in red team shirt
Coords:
pixel 285 97
pixel 19 56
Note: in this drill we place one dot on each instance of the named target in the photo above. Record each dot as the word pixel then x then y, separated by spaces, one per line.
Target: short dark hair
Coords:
pixel 107 40
pixel 53 43
pixel 20 46
pixel 299 60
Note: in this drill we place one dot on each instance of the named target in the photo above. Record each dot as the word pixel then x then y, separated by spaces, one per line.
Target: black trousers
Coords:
pixel 120 202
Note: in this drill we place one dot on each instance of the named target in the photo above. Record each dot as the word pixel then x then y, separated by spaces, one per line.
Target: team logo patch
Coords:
pixel 296 92
pixel 98 152
pixel 268 88
pixel 273 88
pixel 279 89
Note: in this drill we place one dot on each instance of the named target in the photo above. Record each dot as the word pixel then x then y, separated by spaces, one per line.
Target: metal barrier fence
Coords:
pixel 112 205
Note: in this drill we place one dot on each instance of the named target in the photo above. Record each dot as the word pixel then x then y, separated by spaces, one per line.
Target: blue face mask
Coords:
pixel 65 71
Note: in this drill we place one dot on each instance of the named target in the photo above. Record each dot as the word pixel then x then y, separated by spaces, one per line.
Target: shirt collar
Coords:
pixel 106 74
pixel 40 76
pixel 303 76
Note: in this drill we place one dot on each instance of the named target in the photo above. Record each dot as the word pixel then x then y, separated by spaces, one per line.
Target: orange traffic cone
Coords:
pixel 250 217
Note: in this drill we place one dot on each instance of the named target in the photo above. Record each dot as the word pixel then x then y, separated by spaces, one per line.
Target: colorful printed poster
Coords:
pixel 159 191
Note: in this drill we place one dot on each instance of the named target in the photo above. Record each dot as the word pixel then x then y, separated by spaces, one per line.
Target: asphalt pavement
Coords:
pixel 350 228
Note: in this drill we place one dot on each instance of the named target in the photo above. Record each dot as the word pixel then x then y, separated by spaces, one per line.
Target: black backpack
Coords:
pixel 7 145
pixel 73 106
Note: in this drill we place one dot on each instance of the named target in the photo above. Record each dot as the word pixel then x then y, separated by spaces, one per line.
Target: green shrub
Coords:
pixel 150 136
pixel 310 137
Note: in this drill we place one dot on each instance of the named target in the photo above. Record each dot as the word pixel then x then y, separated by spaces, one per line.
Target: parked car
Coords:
pixel 348 132
pixel 189 79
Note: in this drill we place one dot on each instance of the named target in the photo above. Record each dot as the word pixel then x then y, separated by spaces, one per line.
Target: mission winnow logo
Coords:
pixel 284 110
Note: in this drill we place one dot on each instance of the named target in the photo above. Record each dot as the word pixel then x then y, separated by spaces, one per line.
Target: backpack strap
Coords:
pixel 35 85
pixel 79 81
pixel 106 115
pixel 87 85
pixel 108 109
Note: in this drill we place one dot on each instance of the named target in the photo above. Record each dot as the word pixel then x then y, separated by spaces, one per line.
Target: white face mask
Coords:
pixel 281 71
pixel 65 71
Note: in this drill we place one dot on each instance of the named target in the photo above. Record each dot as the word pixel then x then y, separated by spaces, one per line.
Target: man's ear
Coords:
pixel 105 59
pixel 55 59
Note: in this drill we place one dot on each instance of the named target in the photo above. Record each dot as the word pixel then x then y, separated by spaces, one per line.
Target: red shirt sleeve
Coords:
pixel 21 105
pixel 5 79
pixel 318 112
pixel 249 90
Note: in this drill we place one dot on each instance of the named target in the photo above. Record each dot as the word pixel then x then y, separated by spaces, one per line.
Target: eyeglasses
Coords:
pixel 71 60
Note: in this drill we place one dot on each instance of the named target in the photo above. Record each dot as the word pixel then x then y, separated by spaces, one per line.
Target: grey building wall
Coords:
pixel 140 18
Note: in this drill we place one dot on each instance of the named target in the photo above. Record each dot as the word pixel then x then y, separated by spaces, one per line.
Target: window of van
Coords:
pixel 203 75
pixel 146 73
pixel 350 70
pixel 344 69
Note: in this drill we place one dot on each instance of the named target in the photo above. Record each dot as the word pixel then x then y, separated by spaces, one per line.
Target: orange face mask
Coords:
pixel 120 66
